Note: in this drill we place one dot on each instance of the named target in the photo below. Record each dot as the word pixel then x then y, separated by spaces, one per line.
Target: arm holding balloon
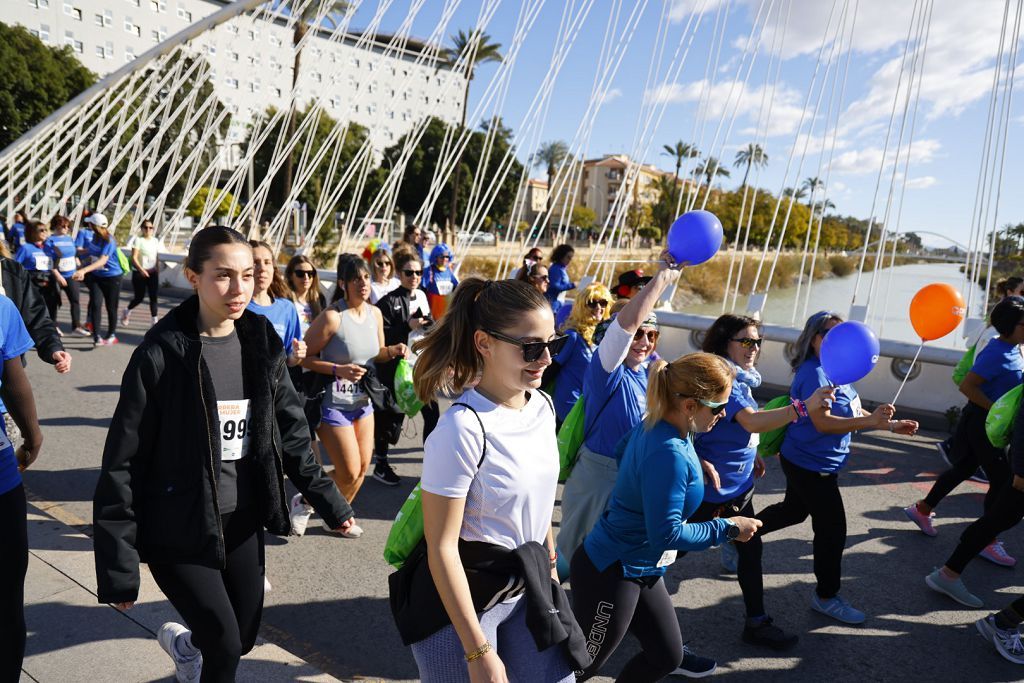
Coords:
pixel 827 423
pixel 633 314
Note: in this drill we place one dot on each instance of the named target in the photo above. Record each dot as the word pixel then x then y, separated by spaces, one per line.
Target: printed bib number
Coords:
pixel 347 395
pixel 43 261
pixel 667 558
pixel 66 264
pixel 444 287
pixel 234 429
pixel 856 409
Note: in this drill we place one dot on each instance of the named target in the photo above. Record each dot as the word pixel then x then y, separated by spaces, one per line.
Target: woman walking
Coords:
pixel 205 428
pixel 103 278
pixel 383 269
pixel 591 307
pixel 304 283
pixel 62 250
pixel 145 261
pixel 39 265
pixel 561 283
pixel 271 298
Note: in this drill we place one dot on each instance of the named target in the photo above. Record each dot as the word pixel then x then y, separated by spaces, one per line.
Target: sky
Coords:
pixel 708 72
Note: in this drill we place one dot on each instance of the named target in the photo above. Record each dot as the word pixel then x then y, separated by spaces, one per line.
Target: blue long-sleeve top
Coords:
pixel 558 282
pixel 659 485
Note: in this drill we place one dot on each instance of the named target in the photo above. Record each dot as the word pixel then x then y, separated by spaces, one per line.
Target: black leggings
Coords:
pixel 971 449
pixel 222 608
pixel 1006 511
pixel 607 605
pixel 142 285
pixel 71 290
pixel 14 541
pixel 103 290
pixel 748 564
pixel 384 422
pixel 817 495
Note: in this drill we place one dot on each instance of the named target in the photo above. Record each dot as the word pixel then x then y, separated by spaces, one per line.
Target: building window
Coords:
pixel 99 51
pixel 72 12
pixel 233 56
pixel 276 91
pixel 254 35
pixel 353 61
pixel 211 49
pixel 108 18
pixel 99 20
pixel 371 109
pixel 108 47
pixel 335 102
pixel 129 25
pixel 39 4
pixel 372 87
pixel 275 41
pixel 129 54
pixel 355 108
pixel 369 66
pixel 77 46
pixel 232 29
pixel 254 86
pixel 254 60
pixel 44 32
pixel 155 35
pixel 391 114
pixel 231 82
pixel 405 96
pixel 318 77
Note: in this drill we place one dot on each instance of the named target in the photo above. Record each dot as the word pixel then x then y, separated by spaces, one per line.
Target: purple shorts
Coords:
pixel 344 418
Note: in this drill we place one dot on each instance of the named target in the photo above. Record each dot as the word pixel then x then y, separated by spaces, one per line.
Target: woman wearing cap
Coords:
pixel 815 448
pixel 615 391
pixel 438 280
pixel 630 284
pixel 560 280
pixel 591 307
pixel 103 278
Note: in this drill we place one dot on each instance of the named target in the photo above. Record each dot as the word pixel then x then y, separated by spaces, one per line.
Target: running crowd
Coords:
pixel 230 391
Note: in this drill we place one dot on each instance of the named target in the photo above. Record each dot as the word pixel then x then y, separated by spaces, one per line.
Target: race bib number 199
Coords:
pixel 234 429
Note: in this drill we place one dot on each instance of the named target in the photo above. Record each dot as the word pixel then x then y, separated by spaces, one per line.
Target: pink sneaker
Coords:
pixel 923 521
pixel 995 552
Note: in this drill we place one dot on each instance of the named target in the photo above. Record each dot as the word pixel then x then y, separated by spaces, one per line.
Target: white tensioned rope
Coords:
pixel 792 152
pixel 831 156
pixel 885 152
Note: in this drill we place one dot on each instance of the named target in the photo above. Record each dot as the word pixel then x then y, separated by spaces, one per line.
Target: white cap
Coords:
pixel 97 219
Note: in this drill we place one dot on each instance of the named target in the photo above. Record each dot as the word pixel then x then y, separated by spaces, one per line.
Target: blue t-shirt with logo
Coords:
pixel 730 448
pixel 61 248
pixel 623 409
pixel 1001 366
pixel 804 445
pixel 96 249
pixel 34 258
pixel 14 341
pixel 285 319
pixel 574 359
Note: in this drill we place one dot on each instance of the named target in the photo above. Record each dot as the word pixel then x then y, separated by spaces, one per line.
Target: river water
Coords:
pixel 888 314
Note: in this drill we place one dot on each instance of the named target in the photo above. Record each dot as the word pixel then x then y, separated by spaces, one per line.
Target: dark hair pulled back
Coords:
pixel 206 240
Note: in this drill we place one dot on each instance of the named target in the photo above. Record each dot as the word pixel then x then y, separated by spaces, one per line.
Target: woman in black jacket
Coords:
pixel 206 427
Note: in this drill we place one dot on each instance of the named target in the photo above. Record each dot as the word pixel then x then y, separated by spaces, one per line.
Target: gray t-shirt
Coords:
pixel 223 356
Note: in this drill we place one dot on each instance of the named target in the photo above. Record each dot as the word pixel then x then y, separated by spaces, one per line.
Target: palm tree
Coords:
pixel 477 48
pixel 679 151
pixel 709 169
pixel 796 194
pixel 812 185
pixel 751 155
pixel 551 155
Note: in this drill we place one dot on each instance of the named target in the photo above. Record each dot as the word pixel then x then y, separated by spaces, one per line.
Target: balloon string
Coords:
pixel 909 370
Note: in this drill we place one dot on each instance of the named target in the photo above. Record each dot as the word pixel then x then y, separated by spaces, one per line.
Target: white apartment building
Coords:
pixel 252 61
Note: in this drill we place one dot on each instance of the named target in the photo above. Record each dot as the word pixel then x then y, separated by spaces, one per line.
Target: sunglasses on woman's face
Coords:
pixel 533 350
pixel 409 272
pixel 542 278
pixel 304 273
pixel 749 342
pixel 652 335
pixel 597 303
pixel 715 407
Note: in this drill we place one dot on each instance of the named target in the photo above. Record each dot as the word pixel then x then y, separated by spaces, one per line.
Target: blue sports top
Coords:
pixel 804 445
pixel 14 341
pixel 285 319
pixel 1000 365
pixel 730 448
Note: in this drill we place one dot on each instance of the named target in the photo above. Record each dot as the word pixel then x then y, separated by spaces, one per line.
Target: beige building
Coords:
pixel 602 178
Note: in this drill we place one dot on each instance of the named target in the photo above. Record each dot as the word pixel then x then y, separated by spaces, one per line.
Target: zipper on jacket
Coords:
pixel 221 545
pixel 278 457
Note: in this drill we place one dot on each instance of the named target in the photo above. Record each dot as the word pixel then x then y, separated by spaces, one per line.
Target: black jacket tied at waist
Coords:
pixel 495 574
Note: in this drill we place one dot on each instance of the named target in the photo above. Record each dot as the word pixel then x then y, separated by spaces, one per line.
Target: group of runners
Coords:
pixel 228 392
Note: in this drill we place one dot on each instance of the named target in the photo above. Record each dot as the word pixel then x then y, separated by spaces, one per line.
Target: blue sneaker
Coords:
pixel 695 666
pixel 837 608
pixel 954 588
pixel 730 558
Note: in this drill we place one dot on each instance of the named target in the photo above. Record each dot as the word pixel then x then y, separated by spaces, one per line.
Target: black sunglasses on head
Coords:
pixel 409 272
pixel 533 350
pixel 748 342
pixel 304 273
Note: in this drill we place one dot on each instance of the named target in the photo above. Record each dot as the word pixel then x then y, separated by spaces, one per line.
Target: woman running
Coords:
pixel 271 298
pixel 490 471
pixel 304 283
pixel 342 344
pixel 617 574
pixel 406 318
pixel 146 250
pixel 61 248
pixel 206 425
pixel 561 283
pixel 438 280
pixel 103 278
pixel 40 265
pixel 615 391
pixel 591 307
pixel 814 450
pixel 383 268
pixel 15 341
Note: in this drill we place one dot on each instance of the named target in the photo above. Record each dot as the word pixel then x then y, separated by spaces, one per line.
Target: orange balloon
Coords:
pixel 936 310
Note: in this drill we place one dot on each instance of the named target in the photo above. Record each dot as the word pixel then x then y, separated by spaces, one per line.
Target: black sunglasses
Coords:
pixel 748 342
pixel 408 272
pixel 304 273
pixel 532 351
pixel 597 303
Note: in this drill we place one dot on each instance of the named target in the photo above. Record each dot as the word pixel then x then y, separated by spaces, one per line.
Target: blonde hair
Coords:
pixel 702 376
pixel 580 319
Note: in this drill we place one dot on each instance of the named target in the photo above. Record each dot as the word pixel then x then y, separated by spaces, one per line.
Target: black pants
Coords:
pixel 748 562
pixel 142 285
pixel 221 607
pixel 103 290
pixel 1006 512
pixel 817 495
pixel 971 449
pixel 385 422
pixel 71 290
pixel 14 541
pixel 606 605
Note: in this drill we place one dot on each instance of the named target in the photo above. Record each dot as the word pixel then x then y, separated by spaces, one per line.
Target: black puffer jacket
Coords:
pixel 156 499
pixel 20 289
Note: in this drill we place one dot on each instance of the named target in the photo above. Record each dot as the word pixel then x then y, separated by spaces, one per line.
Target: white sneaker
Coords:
pixel 187 667
pixel 354 531
pixel 156 319
pixel 126 317
pixel 299 514
pixel 266 584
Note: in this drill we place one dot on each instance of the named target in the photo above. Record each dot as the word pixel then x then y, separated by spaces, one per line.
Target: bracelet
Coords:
pixel 479 652
pixel 554 559
pixel 800 407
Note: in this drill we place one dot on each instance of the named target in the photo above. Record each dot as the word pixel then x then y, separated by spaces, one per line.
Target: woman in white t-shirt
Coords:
pixel 502 333
pixel 146 250
pixel 382 268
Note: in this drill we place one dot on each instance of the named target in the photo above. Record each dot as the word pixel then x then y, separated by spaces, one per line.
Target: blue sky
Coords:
pixel 963 39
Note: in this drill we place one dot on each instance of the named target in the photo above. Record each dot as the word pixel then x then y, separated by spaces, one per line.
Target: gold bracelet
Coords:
pixel 479 652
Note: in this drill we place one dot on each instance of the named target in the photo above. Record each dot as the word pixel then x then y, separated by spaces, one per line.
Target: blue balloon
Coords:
pixel 849 352
pixel 695 237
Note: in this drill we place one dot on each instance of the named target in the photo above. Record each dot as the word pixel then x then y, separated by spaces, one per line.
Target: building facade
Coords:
pixel 603 177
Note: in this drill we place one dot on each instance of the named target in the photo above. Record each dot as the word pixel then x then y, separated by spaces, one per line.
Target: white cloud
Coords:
pixel 869 159
pixel 611 96
pixel 680 10
pixel 728 96
pixel 922 182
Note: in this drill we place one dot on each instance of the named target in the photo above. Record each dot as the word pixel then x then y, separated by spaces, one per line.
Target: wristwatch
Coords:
pixel 733 532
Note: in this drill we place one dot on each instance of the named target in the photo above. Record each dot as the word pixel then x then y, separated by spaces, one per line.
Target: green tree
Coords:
pixel 551 156
pixel 709 169
pixel 209 195
pixel 751 155
pixel 679 151
pixel 664 209
pixel 583 217
pixel 35 80
pixel 811 186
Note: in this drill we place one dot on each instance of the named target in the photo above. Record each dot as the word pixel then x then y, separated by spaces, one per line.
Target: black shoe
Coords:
pixel 695 666
pixel 768 634
pixel 385 475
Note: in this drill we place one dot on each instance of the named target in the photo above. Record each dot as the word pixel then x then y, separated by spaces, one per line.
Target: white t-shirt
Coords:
pixel 379 289
pixel 510 500
pixel 149 250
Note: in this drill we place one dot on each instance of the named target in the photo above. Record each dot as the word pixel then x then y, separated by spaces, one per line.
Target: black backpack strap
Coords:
pixel 482 430
pixel 547 399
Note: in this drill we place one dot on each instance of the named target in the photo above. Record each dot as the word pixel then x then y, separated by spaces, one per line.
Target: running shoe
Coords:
pixel 764 632
pixel 156 319
pixel 299 514
pixel 954 588
pixel 354 531
pixel 385 474
pixel 987 626
pixel 695 666
pixel 923 521
pixel 837 608
pixel 980 476
pixel 729 557
pixel 943 448
pixel 81 332
pixel 188 661
pixel 88 326
pixel 126 317
pixel 109 341
pixel 995 552
pixel 266 584
pixel 60 333
pixel 1006 641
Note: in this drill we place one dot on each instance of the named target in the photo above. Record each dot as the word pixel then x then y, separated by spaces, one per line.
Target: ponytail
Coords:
pixel 701 376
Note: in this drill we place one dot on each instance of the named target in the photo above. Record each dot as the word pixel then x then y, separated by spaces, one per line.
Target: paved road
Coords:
pixel 329 598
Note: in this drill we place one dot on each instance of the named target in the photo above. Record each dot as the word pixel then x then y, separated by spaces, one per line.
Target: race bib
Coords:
pixel 234 429
pixel 667 558
pixel 43 261
pixel 856 409
pixel 346 395
pixel 444 287
pixel 66 264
